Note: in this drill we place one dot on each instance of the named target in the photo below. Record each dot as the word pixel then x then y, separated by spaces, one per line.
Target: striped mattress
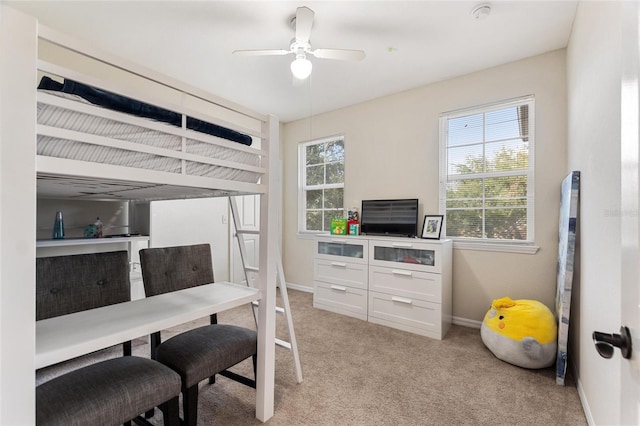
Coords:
pixel 87 123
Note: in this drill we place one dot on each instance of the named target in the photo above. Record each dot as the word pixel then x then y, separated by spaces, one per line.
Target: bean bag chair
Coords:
pixel 521 332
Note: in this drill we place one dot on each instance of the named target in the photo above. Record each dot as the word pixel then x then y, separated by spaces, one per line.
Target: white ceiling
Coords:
pixel 408 44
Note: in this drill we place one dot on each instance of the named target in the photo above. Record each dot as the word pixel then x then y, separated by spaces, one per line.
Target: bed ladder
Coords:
pixel 251 272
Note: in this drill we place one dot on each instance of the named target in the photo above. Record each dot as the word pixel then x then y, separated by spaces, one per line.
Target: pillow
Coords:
pixel 521 332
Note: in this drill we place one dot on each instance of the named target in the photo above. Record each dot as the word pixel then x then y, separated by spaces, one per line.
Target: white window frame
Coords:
pixel 518 246
pixel 303 188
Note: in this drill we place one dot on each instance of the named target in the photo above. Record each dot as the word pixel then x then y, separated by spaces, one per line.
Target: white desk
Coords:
pixel 68 336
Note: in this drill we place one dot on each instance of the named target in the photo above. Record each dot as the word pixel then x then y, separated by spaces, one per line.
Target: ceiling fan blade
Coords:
pixel 304 22
pixel 262 52
pixel 340 54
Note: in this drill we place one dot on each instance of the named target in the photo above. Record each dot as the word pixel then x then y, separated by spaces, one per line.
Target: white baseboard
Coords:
pixel 467 322
pixel 300 287
pixel 583 397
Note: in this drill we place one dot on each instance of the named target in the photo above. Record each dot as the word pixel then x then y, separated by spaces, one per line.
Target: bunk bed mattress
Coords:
pixel 63 118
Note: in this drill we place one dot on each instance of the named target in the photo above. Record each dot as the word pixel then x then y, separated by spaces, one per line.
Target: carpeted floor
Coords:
pixel 358 373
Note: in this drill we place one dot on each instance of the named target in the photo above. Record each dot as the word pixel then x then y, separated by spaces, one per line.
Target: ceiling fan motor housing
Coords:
pixel 298 47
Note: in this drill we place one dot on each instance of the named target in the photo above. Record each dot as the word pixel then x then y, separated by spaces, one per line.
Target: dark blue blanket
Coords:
pixel 141 109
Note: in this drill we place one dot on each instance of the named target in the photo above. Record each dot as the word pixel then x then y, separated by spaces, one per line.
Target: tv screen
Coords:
pixel 390 217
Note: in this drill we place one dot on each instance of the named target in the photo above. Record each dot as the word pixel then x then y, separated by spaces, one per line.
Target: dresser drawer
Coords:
pixel 340 299
pixel 343 249
pixel 341 273
pixel 411 254
pixel 406 283
pixel 416 316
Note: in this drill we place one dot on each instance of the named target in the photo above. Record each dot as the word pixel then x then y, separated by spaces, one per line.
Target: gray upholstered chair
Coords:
pixel 74 283
pixel 110 392
pixel 202 352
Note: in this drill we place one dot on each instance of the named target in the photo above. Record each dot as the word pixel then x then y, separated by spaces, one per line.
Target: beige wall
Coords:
pixel 391 149
pixel 594 76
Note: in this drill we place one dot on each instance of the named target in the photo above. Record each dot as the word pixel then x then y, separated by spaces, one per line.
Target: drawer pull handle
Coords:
pixel 402 245
pixel 338 241
pixel 401 300
pixel 403 273
pixel 339 288
pixel 340 264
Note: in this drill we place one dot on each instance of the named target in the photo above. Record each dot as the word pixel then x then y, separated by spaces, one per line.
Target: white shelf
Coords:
pixel 89 241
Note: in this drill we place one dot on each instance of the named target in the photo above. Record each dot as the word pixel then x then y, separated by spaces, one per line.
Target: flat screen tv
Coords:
pixel 389 217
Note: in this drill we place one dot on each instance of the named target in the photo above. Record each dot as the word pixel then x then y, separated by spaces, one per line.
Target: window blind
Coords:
pixel 487 172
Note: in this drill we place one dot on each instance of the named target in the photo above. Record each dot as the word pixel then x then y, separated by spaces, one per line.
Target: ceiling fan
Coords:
pixel 301 47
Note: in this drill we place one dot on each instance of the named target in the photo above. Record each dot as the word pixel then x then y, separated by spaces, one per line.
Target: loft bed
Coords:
pixel 86 150
pixel 71 128
pixel 199 146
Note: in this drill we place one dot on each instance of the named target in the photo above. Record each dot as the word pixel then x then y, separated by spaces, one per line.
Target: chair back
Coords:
pixel 168 269
pixel 68 284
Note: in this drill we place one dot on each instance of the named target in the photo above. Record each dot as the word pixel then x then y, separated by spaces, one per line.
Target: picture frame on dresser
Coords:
pixel 432 227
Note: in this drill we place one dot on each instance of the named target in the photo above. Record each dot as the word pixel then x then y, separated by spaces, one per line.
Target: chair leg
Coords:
pixel 126 348
pixel 254 357
pixel 242 379
pixel 171 412
pixel 154 342
pixel 150 413
pixel 190 405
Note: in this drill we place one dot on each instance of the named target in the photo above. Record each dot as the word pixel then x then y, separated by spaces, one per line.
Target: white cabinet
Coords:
pixel 398 282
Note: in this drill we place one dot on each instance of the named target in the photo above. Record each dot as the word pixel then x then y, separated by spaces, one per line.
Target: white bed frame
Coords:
pixel 59 177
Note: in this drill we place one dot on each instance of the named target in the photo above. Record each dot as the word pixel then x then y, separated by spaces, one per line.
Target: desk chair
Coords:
pixel 68 284
pixel 110 392
pixel 202 352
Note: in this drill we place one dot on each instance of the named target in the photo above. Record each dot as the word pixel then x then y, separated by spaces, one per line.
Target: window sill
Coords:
pixel 311 235
pixel 496 247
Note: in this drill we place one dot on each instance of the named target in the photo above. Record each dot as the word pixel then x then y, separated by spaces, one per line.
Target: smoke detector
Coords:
pixel 481 11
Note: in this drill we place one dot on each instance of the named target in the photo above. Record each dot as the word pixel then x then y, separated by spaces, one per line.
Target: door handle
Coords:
pixel 605 343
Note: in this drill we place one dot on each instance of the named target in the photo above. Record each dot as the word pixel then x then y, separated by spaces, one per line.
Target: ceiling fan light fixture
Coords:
pixel 301 67
pixel 301 47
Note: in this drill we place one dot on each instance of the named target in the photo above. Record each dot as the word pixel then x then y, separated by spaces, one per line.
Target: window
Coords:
pixel 486 172
pixel 321 184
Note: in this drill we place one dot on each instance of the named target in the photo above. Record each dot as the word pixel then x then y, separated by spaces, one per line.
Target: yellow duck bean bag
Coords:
pixel 521 332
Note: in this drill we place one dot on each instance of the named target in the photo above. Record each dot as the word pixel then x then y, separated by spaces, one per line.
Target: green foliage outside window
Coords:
pixel 487 175
pixel 323 183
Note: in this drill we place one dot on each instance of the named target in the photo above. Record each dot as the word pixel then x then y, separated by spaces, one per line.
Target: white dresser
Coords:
pixel 403 283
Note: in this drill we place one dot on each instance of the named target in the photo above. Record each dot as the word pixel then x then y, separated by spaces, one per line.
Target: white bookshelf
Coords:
pixel 89 241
